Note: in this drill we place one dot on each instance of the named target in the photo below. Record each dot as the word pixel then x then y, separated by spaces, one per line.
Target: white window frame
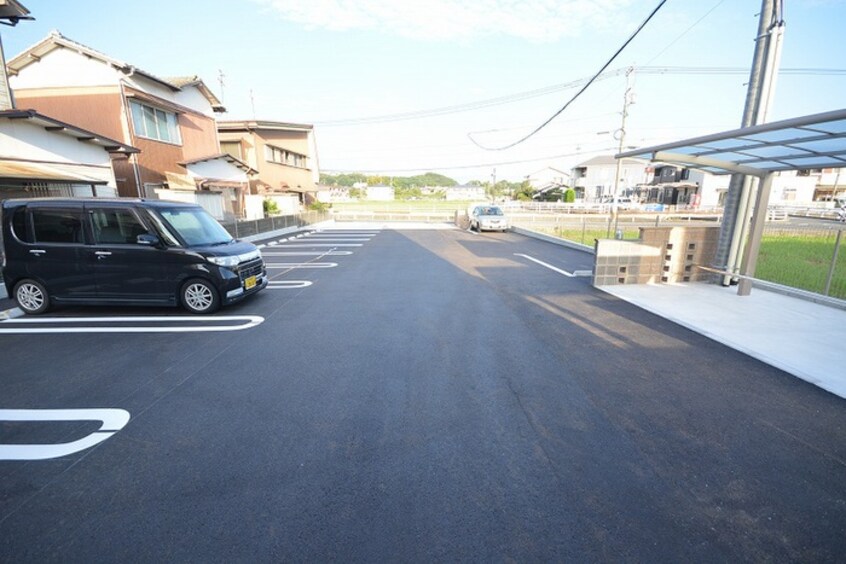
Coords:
pixel 273 154
pixel 139 113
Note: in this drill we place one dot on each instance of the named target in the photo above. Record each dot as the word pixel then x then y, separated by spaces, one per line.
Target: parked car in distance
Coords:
pixel 123 252
pixel 488 218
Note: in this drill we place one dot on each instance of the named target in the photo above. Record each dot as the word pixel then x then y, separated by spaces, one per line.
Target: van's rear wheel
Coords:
pixel 32 297
pixel 199 296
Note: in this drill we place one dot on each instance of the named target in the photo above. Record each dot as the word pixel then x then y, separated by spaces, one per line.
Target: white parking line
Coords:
pixel 573 274
pixel 322 245
pixel 350 239
pixel 113 420
pixel 22 325
pixel 288 284
pixel 302 265
pixel 307 254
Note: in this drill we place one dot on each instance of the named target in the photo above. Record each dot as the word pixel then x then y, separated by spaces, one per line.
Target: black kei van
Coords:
pixel 123 252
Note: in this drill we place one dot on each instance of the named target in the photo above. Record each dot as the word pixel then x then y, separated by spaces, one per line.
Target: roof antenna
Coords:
pixel 220 77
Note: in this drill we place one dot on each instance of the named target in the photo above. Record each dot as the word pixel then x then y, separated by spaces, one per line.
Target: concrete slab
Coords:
pixel 802 338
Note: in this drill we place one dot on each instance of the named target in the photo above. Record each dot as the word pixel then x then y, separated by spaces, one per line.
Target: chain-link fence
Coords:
pixel 808 259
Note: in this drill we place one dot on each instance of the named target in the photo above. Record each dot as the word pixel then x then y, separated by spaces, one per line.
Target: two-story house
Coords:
pixel 593 180
pixel 42 156
pixel 284 155
pixel 171 121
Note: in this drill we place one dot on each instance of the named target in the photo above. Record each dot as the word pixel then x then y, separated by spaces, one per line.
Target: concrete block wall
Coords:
pixel 662 254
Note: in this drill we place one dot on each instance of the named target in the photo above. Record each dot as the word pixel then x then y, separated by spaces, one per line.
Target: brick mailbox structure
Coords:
pixel 661 254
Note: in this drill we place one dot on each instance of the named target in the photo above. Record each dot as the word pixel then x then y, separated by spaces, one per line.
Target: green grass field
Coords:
pixel 802 261
pixel 794 259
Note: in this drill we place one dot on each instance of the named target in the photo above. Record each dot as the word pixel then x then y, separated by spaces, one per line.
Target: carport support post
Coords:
pixel 750 259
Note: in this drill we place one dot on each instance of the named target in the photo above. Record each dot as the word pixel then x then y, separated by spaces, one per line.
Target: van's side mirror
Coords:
pixel 148 240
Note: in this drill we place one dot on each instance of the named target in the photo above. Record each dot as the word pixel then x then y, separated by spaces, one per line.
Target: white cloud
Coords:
pixel 535 20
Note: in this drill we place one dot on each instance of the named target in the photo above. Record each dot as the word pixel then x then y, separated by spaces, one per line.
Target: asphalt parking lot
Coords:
pixel 416 395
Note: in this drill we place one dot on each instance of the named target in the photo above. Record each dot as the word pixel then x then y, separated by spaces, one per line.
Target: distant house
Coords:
pixel 593 180
pixel 171 121
pixel 333 194
pixel 548 178
pixel 380 193
pixel 830 183
pixel 465 193
pixel 283 154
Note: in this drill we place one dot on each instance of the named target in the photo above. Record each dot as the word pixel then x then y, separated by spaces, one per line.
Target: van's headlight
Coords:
pixel 228 262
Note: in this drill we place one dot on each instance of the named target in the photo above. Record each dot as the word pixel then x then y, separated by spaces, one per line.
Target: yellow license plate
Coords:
pixel 250 283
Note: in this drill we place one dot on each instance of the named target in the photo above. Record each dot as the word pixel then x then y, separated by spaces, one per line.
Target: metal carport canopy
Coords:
pixel 815 141
pixel 810 142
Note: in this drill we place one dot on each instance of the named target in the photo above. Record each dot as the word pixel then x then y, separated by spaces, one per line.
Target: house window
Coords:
pixel 232 148
pixel 282 156
pixel 154 123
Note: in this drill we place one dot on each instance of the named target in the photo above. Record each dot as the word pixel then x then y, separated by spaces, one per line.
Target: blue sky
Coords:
pixel 325 61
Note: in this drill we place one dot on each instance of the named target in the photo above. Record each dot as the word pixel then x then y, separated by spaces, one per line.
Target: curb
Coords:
pixel 554 240
pixel 11 313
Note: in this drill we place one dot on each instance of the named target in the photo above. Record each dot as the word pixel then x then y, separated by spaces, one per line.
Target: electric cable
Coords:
pixel 581 91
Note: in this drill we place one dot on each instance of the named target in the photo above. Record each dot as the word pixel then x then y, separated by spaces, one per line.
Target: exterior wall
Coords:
pixel 271 175
pixel 547 176
pixel 465 193
pixel 380 193
pixel 199 136
pixel 275 174
pixel 24 140
pixel 65 68
pixel 711 187
pixel 191 97
pixel 662 254
pixel 74 105
pixel 598 180
pixel 155 159
pixel 217 169
pixel 789 188
pixel 124 172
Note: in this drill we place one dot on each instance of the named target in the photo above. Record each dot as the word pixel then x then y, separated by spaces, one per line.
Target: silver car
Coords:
pixel 488 218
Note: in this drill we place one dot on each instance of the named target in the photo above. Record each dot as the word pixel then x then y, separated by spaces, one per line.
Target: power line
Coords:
pixel 468 106
pixel 581 91
pixel 544 91
pixel 685 32
pixel 480 165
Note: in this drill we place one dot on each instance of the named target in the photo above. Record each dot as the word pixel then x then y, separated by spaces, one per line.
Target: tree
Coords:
pixel 524 192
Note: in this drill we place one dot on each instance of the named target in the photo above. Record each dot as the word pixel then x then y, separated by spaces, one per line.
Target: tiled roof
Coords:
pixel 55 40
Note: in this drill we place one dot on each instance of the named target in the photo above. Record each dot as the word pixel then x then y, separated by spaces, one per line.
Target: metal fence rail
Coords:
pixel 808 259
pixel 247 228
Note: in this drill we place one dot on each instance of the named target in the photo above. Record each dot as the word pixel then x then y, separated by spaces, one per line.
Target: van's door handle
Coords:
pixel 37 252
pixel 102 254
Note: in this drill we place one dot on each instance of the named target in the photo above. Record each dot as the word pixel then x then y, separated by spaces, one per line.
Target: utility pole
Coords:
pixel 493 185
pixel 627 101
pixel 759 97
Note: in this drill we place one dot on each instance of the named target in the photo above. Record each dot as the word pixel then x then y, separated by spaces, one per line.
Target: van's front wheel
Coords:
pixel 32 297
pixel 199 296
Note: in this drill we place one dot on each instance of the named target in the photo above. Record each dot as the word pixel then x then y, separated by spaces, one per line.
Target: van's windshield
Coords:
pixel 195 226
